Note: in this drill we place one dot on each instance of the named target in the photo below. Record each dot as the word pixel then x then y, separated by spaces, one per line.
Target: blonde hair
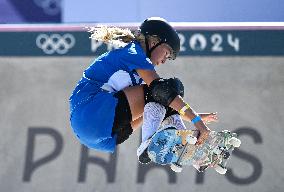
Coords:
pixel 117 36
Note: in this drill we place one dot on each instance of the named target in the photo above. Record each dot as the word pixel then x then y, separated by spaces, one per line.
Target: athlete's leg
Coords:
pixel 154 114
pixel 135 98
pixel 128 112
pixel 130 109
pixel 137 123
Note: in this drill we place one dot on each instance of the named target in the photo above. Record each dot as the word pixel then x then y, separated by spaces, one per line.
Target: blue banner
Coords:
pixel 193 43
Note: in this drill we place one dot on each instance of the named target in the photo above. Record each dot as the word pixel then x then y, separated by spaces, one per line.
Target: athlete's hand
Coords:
pixel 209 117
pixel 203 135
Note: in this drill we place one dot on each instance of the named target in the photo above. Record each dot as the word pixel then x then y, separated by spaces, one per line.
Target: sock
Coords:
pixel 153 116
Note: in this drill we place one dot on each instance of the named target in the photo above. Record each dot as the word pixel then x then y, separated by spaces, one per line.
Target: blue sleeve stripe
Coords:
pixel 133 79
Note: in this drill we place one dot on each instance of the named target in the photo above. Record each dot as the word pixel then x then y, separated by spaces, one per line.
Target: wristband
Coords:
pixel 196 119
pixel 182 110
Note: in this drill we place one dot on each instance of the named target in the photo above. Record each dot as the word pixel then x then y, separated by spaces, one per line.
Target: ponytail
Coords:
pixel 119 36
pixel 113 35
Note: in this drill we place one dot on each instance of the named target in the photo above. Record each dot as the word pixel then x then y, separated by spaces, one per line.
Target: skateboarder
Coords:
pixel 108 102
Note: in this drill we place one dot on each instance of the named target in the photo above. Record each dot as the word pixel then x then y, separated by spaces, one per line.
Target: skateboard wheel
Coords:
pixel 235 142
pixel 176 168
pixel 221 170
pixel 226 155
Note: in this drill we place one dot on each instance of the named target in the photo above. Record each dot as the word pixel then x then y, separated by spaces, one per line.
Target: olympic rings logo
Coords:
pixel 50 7
pixel 55 43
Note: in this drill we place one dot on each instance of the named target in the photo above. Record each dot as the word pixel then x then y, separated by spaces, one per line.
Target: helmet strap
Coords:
pixel 149 51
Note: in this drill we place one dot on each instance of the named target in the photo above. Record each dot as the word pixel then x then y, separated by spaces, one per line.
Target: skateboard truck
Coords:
pixel 176 167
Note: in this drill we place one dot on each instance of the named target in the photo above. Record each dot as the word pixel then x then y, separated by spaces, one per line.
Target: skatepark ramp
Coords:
pixel 233 70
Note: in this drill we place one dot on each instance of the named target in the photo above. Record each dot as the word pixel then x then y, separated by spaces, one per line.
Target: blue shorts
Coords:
pixel 92 121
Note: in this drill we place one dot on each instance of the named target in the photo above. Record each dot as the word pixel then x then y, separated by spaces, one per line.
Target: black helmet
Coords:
pixel 159 27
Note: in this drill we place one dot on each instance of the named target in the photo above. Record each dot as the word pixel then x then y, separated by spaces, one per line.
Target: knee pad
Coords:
pixel 147 94
pixel 148 98
pixel 164 91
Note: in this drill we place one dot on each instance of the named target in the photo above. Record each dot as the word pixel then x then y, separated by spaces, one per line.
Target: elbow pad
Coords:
pixel 164 91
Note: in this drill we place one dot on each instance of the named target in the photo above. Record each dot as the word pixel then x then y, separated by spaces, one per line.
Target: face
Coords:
pixel 160 54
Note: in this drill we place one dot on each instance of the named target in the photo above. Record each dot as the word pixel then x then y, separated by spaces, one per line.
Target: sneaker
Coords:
pixel 142 152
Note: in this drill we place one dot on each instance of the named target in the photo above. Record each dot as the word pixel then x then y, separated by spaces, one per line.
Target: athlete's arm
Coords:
pixel 208 117
pixel 178 103
pixel 147 75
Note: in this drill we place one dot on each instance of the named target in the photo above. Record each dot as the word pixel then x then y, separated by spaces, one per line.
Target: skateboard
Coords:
pixel 177 148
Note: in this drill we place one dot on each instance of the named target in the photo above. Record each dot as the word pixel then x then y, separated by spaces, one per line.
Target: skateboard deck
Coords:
pixel 177 148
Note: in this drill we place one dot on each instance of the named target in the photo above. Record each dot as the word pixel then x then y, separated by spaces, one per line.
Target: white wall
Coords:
pixel 247 92
pixel 178 10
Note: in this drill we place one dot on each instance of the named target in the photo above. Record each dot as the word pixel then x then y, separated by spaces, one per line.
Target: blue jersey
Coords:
pixel 92 105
